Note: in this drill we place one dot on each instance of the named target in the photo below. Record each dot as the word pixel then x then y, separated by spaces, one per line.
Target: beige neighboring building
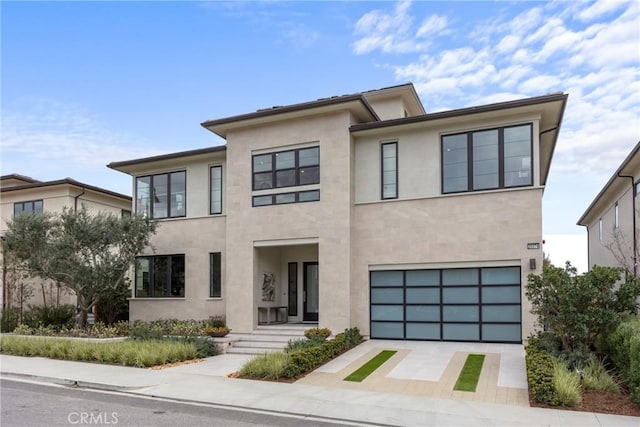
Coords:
pixel 612 219
pixel 20 193
pixel 356 210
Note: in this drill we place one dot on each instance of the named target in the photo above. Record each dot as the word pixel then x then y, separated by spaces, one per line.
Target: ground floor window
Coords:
pixel 215 268
pixel 160 276
pixel 462 304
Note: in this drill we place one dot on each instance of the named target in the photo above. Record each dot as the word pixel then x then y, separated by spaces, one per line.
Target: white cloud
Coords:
pixel 599 8
pixel 432 25
pixel 540 84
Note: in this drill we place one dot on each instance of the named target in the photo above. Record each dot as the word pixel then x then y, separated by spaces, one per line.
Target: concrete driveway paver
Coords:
pixel 431 369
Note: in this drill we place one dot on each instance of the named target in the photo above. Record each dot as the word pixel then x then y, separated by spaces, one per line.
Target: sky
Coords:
pixel 87 83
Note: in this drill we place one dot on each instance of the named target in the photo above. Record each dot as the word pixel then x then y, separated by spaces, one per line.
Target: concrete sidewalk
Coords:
pixel 202 383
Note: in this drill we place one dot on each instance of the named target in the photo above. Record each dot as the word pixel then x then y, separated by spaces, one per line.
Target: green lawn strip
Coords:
pixel 470 374
pixel 365 370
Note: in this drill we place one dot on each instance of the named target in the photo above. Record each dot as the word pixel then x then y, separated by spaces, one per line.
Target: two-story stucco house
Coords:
pixel 612 219
pixel 19 193
pixel 357 210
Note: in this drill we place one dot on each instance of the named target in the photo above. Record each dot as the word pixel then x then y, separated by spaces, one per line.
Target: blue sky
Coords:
pixel 87 83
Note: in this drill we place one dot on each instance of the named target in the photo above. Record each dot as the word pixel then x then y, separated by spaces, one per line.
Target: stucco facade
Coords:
pixel 321 238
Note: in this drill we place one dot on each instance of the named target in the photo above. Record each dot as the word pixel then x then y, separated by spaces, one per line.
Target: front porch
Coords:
pixel 267 338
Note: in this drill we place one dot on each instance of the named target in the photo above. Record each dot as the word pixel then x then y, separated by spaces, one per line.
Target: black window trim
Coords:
pixel 501 185
pixel 211 278
pixel 33 205
pixel 274 168
pixel 273 198
pixel 382 145
pixel 151 259
pixel 151 210
pixel 211 190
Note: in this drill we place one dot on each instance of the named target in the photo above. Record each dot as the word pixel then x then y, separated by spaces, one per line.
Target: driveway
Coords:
pixel 431 369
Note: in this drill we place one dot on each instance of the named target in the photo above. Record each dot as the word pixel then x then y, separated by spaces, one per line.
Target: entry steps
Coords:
pixel 268 338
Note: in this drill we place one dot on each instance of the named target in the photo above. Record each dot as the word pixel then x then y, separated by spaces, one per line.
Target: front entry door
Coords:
pixel 310 293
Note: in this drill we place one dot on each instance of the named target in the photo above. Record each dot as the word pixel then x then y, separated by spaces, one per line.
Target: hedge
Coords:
pixel 540 371
pixel 624 350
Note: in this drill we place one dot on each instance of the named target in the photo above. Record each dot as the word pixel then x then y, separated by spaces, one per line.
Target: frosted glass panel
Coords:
pixel 501 333
pixel 501 313
pixel 423 278
pixel 460 295
pixel 428 313
pixel 386 278
pixel 422 295
pixel 460 276
pixel 501 294
pixel 457 332
pixel 386 296
pixel 423 331
pixel 387 312
pixel 387 330
pixel 460 313
pixel 501 276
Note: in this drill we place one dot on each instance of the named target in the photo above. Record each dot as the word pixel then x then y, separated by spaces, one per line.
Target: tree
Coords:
pixel 87 254
pixel 579 309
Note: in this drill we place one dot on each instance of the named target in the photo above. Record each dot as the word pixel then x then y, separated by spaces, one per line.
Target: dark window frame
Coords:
pixel 211 168
pixel 273 198
pixel 29 202
pixel 152 272
pixel 501 160
pixel 151 208
pixel 215 275
pixel 274 169
pixel 125 213
pixel 382 170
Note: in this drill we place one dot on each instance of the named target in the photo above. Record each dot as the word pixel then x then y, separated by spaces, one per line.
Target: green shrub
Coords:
pixel 23 330
pixel 204 347
pixel 540 372
pixel 216 322
pixel 9 319
pixel 146 331
pixel 623 347
pixel 596 377
pixel 55 316
pixel 322 333
pixel 302 343
pixel 566 384
pixel 270 366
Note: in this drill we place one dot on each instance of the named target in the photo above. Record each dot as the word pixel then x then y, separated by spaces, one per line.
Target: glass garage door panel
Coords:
pixel 387 330
pixel 501 313
pixel 387 312
pixel 460 295
pixel 422 313
pixel 460 276
pixel 386 278
pixel 460 313
pixel 460 332
pixel 423 296
pixel 423 331
pixel 501 276
pixel 501 333
pixel 386 296
pixel 501 294
pixel 423 278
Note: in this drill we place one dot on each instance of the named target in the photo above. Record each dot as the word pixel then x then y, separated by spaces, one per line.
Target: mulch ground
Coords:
pixel 602 402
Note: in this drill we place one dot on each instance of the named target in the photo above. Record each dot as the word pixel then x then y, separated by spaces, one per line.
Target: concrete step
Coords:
pixel 250 350
pixel 267 338
pixel 289 331
pixel 259 344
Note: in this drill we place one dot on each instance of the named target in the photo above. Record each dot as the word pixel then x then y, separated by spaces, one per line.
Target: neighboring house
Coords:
pixel 612 219
pixel 20 193
pixel 356 210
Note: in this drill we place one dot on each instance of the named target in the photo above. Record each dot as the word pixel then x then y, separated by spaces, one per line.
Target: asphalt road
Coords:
pixel 27 404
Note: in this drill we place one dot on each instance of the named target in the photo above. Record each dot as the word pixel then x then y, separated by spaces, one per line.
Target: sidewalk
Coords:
pixel 203 383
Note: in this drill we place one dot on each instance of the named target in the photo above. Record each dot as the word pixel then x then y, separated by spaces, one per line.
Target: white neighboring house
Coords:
pixel 357 210
pixel 19 193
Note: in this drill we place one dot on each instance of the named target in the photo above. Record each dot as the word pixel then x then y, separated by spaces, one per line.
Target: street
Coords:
pixel 36 404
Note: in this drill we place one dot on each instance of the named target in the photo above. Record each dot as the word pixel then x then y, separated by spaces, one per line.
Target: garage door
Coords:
pixel 461 304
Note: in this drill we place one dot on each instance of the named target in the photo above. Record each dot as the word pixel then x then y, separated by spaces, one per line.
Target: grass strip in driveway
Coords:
pixel 365 370
pixel 470 374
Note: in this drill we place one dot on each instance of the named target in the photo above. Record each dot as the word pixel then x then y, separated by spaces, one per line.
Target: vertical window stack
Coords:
pixel 389 156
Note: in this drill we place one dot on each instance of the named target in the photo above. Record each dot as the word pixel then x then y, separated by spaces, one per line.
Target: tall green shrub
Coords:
pixel 623 346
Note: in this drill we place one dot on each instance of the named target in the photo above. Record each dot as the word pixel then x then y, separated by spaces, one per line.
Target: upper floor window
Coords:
pixel 487 159
pixel 600 229
pixel 616 218
pixel 286 168
pixel 160 276
pixel 33 206
pixel 637 188
pixel 389 164
pixel 162 195
pixel 215 177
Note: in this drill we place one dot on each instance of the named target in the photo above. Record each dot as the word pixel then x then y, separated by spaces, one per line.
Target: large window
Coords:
pixel 33 206
pixel 215 176
pixel 488 159
pixel 389 165
pixel 161 196
pixel 286 168
pixel 286 198
pixel 160 276
pixel 215 268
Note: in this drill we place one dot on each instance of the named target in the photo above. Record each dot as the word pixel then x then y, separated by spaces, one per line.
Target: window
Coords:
pixel 286 168
pixel 488 159
pixel 125 213
pixel 600 229
pixel 160 276
pixel 285 198
pixel 389 164
pixel 216 190
pixel 616 220
pixel 637 188
pixel 215 267
pixel 34 206
pixel 161 196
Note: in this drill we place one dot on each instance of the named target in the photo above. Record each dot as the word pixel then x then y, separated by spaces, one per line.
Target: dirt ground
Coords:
pixel 601 402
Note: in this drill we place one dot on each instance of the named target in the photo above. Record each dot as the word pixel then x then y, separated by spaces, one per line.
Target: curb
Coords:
pixel 73 383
